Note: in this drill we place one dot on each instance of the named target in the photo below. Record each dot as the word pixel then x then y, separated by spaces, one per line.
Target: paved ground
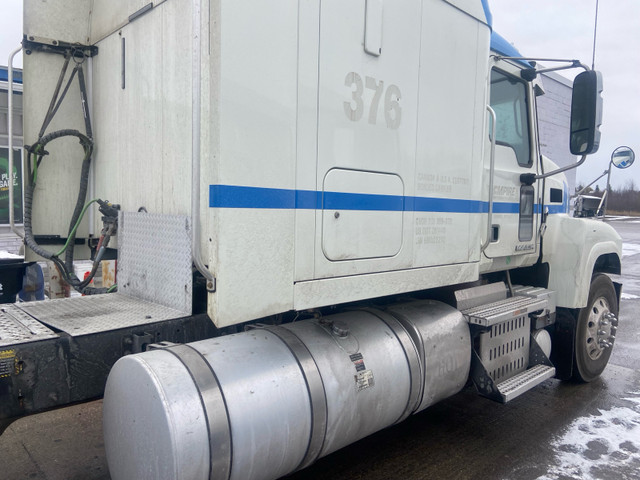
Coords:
pixel 558 431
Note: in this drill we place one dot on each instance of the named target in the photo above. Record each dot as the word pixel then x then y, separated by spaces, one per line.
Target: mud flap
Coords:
pixel 563 351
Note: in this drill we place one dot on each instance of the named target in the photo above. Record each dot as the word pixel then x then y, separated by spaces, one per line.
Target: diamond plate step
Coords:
pixel 503 310
pixel 18 327
pixel 517 385
pixel 537 292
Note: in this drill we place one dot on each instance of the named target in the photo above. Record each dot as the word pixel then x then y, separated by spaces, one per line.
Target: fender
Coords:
pixel 572 246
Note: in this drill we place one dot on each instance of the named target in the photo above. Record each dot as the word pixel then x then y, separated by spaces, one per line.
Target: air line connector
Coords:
pixel 109 216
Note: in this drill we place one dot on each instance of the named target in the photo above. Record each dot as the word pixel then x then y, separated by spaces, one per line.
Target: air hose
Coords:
pixel 36 153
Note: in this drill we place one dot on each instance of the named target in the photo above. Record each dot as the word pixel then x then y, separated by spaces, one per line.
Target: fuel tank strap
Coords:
pixel 413 360
pixel 213 403
pixel 315 387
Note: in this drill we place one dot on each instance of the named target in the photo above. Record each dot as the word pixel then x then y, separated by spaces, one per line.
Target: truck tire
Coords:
pixel 595 330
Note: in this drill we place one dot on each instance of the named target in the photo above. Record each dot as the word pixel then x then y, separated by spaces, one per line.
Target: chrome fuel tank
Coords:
pixel 269 401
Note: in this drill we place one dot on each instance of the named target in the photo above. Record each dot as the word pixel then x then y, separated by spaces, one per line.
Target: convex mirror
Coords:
pixel 623 157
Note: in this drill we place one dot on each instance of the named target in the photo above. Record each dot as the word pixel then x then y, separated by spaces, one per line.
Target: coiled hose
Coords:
pixel 66 267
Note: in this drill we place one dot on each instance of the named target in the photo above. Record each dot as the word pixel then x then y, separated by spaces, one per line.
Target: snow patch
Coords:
pixel 629 296
pixel 606 444
pixel 4 255
pixel 629 249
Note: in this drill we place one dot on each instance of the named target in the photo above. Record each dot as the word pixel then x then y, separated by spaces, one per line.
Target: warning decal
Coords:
pixel 358 362
pixel 7 358
pixel 364 380
pixel 363 377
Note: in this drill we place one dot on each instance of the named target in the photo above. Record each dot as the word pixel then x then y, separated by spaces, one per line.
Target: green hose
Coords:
pixel 75 227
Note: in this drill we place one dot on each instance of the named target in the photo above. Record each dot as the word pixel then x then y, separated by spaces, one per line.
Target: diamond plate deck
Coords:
pixel 18 327
pixel 497 312
pixel 98 313
pixel 154 259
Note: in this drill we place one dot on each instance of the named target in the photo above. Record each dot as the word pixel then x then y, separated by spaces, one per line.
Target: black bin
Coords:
pixel 11 274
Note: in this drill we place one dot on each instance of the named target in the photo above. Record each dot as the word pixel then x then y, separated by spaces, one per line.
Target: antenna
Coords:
pixel 595 29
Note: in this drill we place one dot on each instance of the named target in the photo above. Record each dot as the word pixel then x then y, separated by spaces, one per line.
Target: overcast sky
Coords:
pixel 564 29
pixel 10 30
pixel 540 28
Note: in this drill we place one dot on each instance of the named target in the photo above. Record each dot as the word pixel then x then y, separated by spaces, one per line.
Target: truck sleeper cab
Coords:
pixel 372 232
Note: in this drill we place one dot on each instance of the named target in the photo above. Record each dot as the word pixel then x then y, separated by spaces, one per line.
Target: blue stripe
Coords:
pixel 359 201
pixel 555 209
pixel 234 196
pixel 450 205
pixel 307 199
pixel 229 196
pixel 501 207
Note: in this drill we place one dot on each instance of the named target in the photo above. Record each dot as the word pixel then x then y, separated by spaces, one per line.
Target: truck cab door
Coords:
pixel 515 220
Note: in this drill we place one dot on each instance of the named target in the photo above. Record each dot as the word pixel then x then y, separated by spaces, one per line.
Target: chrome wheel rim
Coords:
pixel 599 334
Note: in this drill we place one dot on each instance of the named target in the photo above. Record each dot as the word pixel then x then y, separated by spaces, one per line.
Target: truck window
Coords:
pixel 509 101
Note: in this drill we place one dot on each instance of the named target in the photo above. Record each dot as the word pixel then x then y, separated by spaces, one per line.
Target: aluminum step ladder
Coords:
pixel 507 361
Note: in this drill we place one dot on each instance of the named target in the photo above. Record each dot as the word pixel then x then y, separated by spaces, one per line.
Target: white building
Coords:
pixel 554 118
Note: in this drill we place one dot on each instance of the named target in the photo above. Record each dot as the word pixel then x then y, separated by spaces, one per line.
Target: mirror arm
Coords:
pixel 529 178
pixel 532 72
pixel 529 74
pixel 584 188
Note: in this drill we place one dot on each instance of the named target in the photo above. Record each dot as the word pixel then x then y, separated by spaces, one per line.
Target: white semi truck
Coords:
pixel 328 215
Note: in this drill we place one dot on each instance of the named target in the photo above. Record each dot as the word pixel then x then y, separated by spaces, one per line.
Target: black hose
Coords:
pixel 66 269
pixel 28 229
pixel 64 93
pixel 94 269
pixel 38 152
pixel 49 115
pixel 82 196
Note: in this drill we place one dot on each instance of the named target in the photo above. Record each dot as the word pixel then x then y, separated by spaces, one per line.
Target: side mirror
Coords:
pixel 586 113
pixel 623 157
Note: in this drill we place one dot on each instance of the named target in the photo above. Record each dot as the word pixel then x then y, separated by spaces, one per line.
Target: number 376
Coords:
pixel 354 109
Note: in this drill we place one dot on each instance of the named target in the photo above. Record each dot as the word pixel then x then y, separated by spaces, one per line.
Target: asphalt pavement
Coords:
pixel 557 431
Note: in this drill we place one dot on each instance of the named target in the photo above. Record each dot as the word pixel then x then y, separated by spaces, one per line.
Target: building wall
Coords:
pixel 554 116
pixel 9 241
pixel 17 107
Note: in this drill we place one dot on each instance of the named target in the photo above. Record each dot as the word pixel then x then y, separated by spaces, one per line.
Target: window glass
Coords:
pixel 4 114
pixel 525 227
pixel 509 101
pixel 5 183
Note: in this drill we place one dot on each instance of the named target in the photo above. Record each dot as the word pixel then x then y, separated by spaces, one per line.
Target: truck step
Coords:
pixel 507 361
pixel 493 313
pixel 517 385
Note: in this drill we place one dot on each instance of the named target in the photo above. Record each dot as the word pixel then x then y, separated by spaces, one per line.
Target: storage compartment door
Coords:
pixel 361 215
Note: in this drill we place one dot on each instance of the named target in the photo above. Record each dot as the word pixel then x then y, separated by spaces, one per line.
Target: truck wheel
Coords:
pixel 595 331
